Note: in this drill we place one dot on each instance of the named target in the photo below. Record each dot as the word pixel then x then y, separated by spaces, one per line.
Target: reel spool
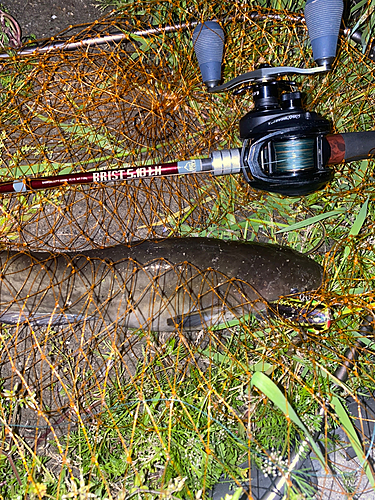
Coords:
pixel 284 146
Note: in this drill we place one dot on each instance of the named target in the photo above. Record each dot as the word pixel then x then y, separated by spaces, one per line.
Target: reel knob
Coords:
pixel 208 40
pixel 323 19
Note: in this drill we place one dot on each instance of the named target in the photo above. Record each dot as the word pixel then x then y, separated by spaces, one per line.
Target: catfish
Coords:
pixel 186 283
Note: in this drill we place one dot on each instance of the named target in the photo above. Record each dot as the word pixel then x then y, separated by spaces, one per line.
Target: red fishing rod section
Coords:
pixel 342 148
pixel 100 176
pixel 219 163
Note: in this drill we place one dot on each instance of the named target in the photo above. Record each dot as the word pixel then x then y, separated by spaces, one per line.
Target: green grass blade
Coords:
pixel 353 437
pixel 312 220
pixel 270 389
pixel 354 231
pixel 236 495
pixel 360 219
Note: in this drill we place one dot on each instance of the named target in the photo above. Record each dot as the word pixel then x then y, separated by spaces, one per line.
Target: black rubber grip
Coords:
pixel 359 145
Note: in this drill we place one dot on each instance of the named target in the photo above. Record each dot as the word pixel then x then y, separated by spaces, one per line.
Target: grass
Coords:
pixel 191 413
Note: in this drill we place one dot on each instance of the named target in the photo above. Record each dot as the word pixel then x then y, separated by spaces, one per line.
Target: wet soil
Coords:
pixel 46 18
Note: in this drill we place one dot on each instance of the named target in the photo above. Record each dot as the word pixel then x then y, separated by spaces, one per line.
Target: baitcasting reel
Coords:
pixel 285 149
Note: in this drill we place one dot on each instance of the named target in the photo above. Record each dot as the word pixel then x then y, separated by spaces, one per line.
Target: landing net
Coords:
pixel 95 409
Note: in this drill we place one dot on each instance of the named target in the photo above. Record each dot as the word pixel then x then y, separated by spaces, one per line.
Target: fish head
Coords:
pixel 312 314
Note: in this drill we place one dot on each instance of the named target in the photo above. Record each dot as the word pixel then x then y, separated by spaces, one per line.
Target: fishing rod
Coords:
pixel 48 46
pixel 337 147
pixel 121 36
pixel 286 149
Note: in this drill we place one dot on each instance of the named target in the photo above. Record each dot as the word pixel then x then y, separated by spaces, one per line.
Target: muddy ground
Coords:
pixel 46 18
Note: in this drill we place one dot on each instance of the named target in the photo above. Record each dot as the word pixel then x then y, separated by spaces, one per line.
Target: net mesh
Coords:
pixel 95 408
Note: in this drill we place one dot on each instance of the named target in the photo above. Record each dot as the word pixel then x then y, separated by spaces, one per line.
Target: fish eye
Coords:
pixel 294 290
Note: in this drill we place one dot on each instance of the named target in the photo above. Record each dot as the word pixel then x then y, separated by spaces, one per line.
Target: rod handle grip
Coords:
pixel 351 146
